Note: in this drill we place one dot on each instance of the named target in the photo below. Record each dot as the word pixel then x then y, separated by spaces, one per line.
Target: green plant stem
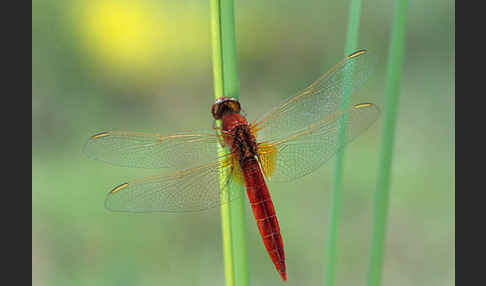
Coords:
pixel 226 83
pixel 393 77
pixel 218 92
pixel 335 205
pixel 453 99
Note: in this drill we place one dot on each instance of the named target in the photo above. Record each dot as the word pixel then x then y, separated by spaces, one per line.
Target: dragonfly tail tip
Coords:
pixel 283 275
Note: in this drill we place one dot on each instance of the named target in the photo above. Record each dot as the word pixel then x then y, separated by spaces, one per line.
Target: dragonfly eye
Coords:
pixel 215 111
pixel 225 105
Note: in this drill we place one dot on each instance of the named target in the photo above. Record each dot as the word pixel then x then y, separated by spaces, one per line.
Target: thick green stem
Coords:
pixel 335 204
pixel 226 83
pixel 393 77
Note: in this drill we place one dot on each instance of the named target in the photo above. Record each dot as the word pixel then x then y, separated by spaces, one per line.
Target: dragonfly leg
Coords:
pixel 242 112
pixel 217 128
pixel 221 142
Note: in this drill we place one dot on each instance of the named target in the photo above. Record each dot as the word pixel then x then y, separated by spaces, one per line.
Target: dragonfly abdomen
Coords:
pixel 238 136
pixel 264 213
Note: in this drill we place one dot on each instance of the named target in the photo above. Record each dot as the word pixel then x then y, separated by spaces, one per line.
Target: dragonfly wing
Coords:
pixel 317 101
pixel 305 151
pixel 141 150
pixel 188 190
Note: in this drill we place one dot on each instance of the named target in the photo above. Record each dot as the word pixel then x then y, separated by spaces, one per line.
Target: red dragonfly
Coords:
pixel 289 142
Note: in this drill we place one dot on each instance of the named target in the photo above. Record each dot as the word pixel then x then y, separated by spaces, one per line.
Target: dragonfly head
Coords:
pixel 225 105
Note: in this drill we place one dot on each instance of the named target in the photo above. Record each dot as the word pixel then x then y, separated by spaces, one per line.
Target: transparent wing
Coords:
pixel 305 151
pixel 141 150
pixel 188 190
pixel 318 101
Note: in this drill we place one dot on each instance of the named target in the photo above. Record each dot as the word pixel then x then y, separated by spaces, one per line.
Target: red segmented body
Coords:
pixel 264 212
pixel 243 146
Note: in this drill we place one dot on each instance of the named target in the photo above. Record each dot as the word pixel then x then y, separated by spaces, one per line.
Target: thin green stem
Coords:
pixel 216 48
pixel 335 205
pixel 218 92
pixel 453 104
pixel 226 83
pixel 393 77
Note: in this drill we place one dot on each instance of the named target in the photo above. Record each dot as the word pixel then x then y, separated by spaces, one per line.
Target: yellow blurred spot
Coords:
pixel 121 33
pixel 268 158
pixel 141 38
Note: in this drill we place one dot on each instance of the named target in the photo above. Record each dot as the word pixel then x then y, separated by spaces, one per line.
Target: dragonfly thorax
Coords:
pixel 243 142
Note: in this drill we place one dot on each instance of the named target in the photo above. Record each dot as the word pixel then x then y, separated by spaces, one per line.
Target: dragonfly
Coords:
pixel 289 142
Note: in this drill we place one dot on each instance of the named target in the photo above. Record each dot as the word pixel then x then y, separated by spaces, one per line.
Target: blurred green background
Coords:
pixel 146 66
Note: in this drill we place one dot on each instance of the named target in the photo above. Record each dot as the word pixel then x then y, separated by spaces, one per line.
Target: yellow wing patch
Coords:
pixel 235 170
pixel 254 129
pixel 268 158
pixel 237 175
